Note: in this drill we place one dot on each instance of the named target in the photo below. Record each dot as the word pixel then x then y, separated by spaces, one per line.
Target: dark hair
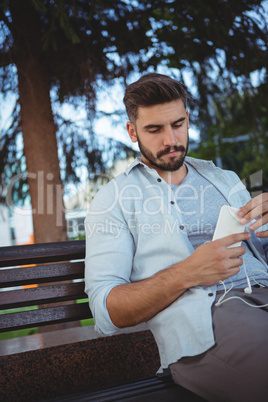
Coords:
pixel 152 89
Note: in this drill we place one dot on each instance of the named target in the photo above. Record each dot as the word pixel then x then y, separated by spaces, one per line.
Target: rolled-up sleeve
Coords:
pixel 109 255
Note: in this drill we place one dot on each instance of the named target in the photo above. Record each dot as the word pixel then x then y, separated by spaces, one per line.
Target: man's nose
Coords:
pixel 169 137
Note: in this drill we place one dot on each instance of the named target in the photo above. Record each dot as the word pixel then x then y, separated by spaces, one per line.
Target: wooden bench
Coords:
pixel 72 364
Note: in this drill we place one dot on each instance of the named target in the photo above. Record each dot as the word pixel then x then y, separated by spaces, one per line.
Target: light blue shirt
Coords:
pixel 199 203
pixel 134 230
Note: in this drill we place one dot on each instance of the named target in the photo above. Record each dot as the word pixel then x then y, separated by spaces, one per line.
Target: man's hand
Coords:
pixel 257 209
pixel 132 303
pixel 213 262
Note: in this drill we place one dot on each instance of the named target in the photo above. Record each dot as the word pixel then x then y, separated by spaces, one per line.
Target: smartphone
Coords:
pixel 228 223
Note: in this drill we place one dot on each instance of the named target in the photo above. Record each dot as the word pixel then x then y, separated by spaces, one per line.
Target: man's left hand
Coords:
pixel 257 209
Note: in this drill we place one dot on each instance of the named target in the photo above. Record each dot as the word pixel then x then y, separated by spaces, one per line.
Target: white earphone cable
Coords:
pixel 247 290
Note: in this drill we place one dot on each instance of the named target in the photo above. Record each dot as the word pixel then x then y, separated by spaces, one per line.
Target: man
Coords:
pixel 150 258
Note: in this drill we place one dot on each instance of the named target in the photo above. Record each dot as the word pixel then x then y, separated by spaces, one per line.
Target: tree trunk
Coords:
pixel 40 149
pixel 39 131
pixel 38 127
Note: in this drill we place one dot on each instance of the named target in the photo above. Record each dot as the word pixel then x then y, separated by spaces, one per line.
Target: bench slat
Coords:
pixel 152 389
pixel 44 316
pixel 41 274
pixel 42 295
pixel 42 253
pixel 103 361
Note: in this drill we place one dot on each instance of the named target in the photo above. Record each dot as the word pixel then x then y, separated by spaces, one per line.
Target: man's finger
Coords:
pixel 263 234
pixel 254 208
pixel 234 238
pixel 258 223
pixel 255 213
pixel 235 252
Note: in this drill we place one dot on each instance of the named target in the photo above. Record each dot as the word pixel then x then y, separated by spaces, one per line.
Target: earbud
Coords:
pixel 248 290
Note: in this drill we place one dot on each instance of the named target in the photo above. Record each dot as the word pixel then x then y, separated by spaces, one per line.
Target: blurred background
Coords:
pixel 64 66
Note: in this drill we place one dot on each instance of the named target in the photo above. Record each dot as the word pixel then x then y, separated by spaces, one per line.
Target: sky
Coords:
pixel 108 101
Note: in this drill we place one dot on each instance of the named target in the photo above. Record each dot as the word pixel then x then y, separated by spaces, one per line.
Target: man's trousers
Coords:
pixel 235 369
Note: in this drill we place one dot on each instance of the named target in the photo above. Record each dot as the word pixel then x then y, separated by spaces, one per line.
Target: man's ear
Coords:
pixel 132 131
pixel 188 121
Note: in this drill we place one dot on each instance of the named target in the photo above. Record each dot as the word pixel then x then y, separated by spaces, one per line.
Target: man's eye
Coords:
pixel 177 125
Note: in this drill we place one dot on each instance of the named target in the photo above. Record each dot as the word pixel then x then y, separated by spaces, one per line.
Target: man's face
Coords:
pixel 162 134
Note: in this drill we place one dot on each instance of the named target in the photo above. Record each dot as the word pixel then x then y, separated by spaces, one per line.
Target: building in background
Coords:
pixel 76 206
pixel 16 225
pixel 6 235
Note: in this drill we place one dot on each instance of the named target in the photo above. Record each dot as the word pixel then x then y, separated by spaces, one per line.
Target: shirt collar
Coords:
pixel 136 162
pixel 197 164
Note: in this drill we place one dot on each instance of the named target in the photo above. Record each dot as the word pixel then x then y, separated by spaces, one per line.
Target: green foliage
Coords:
pixel 80 43
pixel 240 130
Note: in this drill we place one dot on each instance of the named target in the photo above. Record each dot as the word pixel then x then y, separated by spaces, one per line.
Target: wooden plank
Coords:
pixel 41 274
pixel 51 315
pixel 42 253
pixel 41 295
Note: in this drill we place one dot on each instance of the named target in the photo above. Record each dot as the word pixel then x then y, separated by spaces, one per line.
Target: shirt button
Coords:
pixel 159 180
pixel 210 294
pixel 181 227
pixel 172 202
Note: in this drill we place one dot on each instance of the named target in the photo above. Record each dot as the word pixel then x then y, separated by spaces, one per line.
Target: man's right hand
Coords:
pixel 132 303
pixel 214 261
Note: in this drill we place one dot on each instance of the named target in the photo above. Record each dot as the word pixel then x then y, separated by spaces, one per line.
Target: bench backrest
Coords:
pixel 58 271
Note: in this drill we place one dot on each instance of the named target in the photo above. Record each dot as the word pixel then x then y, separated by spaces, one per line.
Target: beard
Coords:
pixel 175 162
